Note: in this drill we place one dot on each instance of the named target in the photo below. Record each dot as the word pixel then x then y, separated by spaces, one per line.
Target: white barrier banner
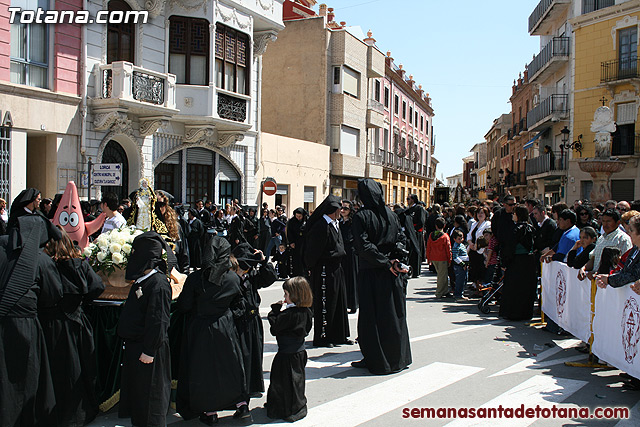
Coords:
pixel 616 328
pixel 566 300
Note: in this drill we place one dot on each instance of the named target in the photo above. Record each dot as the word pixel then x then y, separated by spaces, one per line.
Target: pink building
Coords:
pixel 406 143
pixel 40 89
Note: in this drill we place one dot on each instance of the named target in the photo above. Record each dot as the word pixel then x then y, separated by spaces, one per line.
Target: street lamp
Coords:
pixel 575 145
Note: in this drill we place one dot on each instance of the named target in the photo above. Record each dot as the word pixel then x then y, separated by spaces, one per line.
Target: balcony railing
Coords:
pixel 555 104
pixel 619 69
pixel 127 82
pixel 510 133
pixel 541 10
pixel 547 162
pixel 376 106
pixel 522 125
pixel 232 108
pixel 625 145
pixel 516 178
pixel 558 47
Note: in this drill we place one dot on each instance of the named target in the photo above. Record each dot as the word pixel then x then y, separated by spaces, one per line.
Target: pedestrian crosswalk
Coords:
pixel 474 362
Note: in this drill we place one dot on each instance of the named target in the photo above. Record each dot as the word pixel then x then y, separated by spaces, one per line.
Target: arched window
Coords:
pixel 114 153
pixel 120 37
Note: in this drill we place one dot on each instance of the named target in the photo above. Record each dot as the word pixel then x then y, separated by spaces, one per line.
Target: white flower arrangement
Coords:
pixel 111 250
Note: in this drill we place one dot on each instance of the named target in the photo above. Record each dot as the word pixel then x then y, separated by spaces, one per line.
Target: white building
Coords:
pixel 454 180
pixel 177 100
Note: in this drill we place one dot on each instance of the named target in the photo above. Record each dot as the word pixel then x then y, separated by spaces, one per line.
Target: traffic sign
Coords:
pixel 107 174
pixel 269 186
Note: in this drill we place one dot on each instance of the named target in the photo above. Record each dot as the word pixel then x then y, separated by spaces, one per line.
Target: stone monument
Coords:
pixel 602 166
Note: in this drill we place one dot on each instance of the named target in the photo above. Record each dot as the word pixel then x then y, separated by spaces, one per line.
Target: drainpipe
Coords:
pixel 258 154
pixel 83 96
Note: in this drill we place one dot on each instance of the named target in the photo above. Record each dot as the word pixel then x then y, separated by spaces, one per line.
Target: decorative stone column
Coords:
pixel 602 166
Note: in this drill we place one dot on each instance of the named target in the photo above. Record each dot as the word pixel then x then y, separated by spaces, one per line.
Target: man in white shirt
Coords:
pixel 613 237
pixel 109 204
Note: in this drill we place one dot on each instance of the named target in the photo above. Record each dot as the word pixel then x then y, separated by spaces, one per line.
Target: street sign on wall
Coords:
pixel 107 174
pixel 269 186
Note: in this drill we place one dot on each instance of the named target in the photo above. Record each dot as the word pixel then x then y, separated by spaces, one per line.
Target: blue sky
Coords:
pixel 466 59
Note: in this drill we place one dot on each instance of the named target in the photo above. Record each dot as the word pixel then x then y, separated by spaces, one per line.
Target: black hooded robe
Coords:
pixel 323 255
pixel 247 315
pixel 69 337
pixel 383 334
pixel 520 278
pixel 350 265
pixel 194 240
pixel 145 388
pixel 295 229
pixel 29 282
pixel 285 398
pixel 211 375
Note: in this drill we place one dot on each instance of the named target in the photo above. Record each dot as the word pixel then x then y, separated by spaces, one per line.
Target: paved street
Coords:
pixel 461 358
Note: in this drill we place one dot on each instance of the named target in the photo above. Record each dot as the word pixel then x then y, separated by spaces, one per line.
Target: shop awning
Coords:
pixel 531 141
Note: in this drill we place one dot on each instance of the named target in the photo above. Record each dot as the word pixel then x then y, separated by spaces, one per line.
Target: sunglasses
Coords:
pixel 511 204
pixel 584 214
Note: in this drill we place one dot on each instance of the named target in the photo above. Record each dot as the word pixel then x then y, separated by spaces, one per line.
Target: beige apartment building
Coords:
pixel 318 85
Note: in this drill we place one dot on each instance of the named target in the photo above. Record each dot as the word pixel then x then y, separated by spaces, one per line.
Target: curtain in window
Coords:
pixel 350 81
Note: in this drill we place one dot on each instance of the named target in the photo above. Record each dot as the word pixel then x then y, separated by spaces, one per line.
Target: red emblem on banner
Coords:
pixel 561 293
pixel 630 329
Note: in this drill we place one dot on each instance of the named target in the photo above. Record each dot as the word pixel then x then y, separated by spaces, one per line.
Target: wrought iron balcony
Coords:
pixel 555 106
pixel 548 163
pixel 539 20
pixel 625 145
pixel 619 69
pixel 232 108
pixel 522 125
pixel 550 58
pixel 140 90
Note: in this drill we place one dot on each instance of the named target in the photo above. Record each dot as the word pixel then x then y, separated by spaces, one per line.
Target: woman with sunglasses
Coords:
pixel 585 217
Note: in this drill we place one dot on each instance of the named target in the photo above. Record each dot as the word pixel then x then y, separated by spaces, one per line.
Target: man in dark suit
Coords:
pixel 546 228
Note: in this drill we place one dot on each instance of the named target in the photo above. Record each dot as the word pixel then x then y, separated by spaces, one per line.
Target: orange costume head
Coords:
pixel 69 216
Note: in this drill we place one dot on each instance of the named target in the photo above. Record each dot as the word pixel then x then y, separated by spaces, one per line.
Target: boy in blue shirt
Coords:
pixel 460 259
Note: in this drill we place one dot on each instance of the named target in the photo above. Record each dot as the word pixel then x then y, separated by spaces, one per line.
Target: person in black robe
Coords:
pixel 294 232
pixel 194 239
pixel 69 337
pixel 413 245
pixel 255 223
pixel 417 216
pixel 145 384
pixel 350 261
pixel 264 231
pixel 211 375
pixel 255 273
pixel 383 334
pixel 282 258
pixel 285 398
pixel 323 255
pixel 520 278
pixel 29 282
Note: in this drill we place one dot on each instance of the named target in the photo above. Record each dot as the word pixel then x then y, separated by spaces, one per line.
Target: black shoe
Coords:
pixel 327 345
pixel 625 376
pixel 359 364
pixel 209 419
pixel 242 412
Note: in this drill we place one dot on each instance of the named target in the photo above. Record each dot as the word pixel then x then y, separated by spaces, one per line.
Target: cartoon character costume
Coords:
pixel 69 216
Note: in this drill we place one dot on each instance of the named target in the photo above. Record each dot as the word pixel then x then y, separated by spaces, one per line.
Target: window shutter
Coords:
pixel 309 194
pixel 349 141
pixel 626 113
pixel 199 156
pixel 350 81
pixel 227 172
pixel 282 190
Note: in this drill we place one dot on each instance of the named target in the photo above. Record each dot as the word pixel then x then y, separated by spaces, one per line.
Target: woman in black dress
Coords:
pixel 290 326
pixel 520 278
pixel 349 261
pixel 69 337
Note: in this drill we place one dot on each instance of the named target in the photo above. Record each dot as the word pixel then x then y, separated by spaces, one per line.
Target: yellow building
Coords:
pixel 606 73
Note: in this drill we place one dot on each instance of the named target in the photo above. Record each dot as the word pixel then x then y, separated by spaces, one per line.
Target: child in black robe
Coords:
pixel 282 259
pixel 145 386
pixel 285 398
pixel 69 337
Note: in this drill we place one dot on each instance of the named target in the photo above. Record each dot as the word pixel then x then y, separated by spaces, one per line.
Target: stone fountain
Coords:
pixel 602 166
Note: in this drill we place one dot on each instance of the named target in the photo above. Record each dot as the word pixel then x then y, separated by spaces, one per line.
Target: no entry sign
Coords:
pixel 269 186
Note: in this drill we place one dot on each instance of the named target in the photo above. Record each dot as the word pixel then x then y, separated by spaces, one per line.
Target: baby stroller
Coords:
pixel 490 292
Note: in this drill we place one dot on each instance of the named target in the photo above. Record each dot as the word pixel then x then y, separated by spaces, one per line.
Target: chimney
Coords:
pixel 401 71
pixel 420 91
pixel 322 10
pixel 388 60
pixel 370 40
pixel 330 15
pixel 343 23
